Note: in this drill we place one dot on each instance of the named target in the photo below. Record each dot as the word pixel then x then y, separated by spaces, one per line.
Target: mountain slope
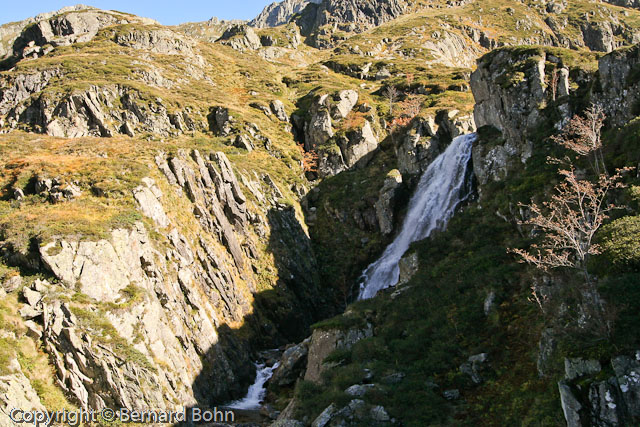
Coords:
pixel 175 200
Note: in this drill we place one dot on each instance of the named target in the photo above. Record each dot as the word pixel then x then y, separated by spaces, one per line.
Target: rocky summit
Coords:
pixel 338 213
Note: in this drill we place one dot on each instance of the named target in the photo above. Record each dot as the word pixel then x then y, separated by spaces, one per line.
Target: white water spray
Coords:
pixel 257 391
pixel 439 192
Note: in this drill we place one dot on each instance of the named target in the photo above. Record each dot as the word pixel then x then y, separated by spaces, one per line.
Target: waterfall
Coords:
pixel 257 390
pixel 441 188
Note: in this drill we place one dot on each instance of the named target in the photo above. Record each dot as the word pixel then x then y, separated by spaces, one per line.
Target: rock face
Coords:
pixel 156 40
pixel 16 392
pixel 279 13
pixel 510 90
pixel 510 107
pixel 338 152
pixel 607 402
pixel 323 342
pixel 386 201
pixel 453 50
pixel 63 29
pixel 160 315
pixel 349 15
pixel 318 130
pixel 620 85
pixel 103 270
pixel 356 145
pixel 87 113
pixel 510 93
pixel 599 36
pixel 427 137
pixel 149 198
pixel 241 37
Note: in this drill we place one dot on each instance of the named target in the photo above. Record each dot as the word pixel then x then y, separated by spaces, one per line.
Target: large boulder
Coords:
pixel 358 145
pixel 241 37
pixel 292 362
pixel 344 102
pixel 386 201
pixel 324 342
pixel 149 199
pixel 318 130
pixel 337 152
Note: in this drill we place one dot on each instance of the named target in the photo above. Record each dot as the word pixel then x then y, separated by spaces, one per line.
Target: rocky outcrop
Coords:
pixel 15 90
pixel 599 36
pixel 338 152
pixel 510 92
pixel 16 392
pixel 279 13
pixel 157 40
pixel 100 376
pixel 277 108
pixel 143 319
pixel 506 98
pixel 318 129
pixel 324 342
pixel 97 111
pixel 587 398
pixel 75 26
pixel 452 49
pixel 620 84
pixel 241 37
pixel 319 21
pixel 427 137
pixel 386 201
pixel 357 145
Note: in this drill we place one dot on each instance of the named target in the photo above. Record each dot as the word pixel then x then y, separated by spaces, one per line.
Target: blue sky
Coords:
pixel 166 12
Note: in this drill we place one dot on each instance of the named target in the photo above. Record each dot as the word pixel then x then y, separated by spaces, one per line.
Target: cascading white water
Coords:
pixel 257 391
pixel 440 190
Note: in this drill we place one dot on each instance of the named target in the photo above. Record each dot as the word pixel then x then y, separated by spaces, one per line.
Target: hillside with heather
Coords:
pixel 339 213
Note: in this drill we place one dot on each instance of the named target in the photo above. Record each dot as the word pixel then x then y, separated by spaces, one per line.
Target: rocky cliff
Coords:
pixel 154 313
pixel 515 95
pixel 279 13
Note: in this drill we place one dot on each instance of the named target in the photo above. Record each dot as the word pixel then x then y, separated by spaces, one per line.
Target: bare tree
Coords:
pixel 391 93
pixel 583 136
pixel 411 106
pixel 569 222
pixel 309 160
